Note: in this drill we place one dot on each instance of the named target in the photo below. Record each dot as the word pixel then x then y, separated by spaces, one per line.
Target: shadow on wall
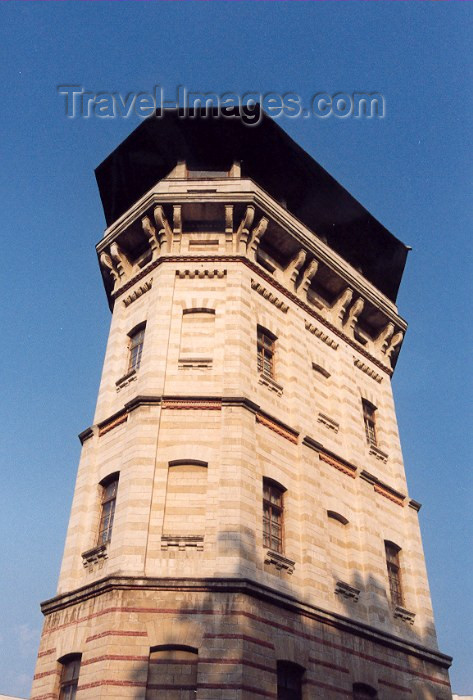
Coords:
pixel 227 645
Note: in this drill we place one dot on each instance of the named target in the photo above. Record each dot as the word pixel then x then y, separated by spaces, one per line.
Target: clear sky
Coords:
pixel 409 169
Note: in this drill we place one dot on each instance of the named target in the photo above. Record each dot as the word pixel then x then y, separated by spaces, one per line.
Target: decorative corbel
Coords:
pixel 256 236
pixel 243 231
pixel 340 305
pixel 382 341
pixel 229 224
pixel 394 344
pixel 308 276
pixel 150 232
pixel 292 270
pixel 122 263
pixel 107 263
pixel 164 230
pixel 177 227
pixel 353 313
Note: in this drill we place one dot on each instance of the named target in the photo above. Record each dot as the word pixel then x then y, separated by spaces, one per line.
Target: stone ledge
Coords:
pixel 347 591
pixel 329 423
pixel 270 383
pixel 404 615
pixel 279 561
pixel 378 453
pixel 94 555
pixel 182 542
pixel 126 379
pixel 194 363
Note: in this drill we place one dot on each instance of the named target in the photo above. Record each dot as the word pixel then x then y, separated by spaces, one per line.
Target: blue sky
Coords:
pixel 410 169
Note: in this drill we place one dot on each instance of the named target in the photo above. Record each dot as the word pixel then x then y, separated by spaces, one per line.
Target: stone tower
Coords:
pixel 241 526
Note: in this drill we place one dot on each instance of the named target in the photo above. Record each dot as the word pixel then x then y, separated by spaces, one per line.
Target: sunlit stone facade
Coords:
pixel 241 526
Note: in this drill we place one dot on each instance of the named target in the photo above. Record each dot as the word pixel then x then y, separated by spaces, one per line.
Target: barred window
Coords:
pixel 109 498
pixel 266 342
pixel 69 676
pixel 272 515
pixel 394 572
pixel 369 417
pixel 289 681
pixel 135 347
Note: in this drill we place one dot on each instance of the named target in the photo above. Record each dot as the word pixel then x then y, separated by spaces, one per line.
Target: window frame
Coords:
pixel 105 500
pixel 297 672
pixel 393 566
pixel 266 352
pixel 68 686
pixel 370 422
pixel 274 521
pixel 136 339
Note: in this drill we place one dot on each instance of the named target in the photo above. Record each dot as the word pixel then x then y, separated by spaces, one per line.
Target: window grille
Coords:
pixel 272 516
pixel 109 498
pixel 266 345
pixel 394 573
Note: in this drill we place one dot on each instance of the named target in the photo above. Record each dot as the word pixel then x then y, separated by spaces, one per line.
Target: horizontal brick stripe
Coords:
pixel 257 618
pixel 333 688
pixel 402 688
pixel 37 676
pixel 114 657
pixel 169 686
pixel 116 633
pixel 48 696
pixel 177 662
pixel 236 686
pixel 238 662
pixel 326 664
pixel 243 637
pixel 46 652
pixel 97 684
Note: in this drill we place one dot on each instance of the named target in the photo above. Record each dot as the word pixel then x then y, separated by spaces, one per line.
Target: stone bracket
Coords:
pixel 94 555
pixel 182 542
pixel 404 615
pixel 279 561
pixel 347 591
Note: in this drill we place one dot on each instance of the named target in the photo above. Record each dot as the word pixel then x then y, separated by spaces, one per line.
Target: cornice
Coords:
pixel 252 589
pixel 244 190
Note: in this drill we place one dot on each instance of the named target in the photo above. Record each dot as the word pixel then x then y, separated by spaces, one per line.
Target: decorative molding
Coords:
pixel 194 363
pixel 383 489
pixel 200 274
pixel 270 383
pixel 266 294
pixel 182 542
pixel 277 427
pixel 142 289
pixel 192 404
pixel 86 435
pixel 415 505
pixel 320 334
pixel 367 370
pixel 343 467
pixel 130 376
pixel 112 423
pixel 347 591
pixel 94 555
pixel 328 422
pixel 279 561
pixel 255 591
pixel 378 453
pixel 404 615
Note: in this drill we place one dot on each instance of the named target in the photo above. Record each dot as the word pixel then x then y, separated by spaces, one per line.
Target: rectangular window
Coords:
pixel 369 418
pixel 266 344
pixel 272 516
pixel 109 498
pixel 136 349
pixel 394 572
pixel 70 678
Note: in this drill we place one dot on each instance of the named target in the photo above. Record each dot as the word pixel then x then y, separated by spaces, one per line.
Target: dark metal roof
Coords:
pixel 274 161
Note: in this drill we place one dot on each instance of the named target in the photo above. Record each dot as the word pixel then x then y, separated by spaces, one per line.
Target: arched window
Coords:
pixel 197 336
pixel 361 691
pixel 266 346
pixel 394 572
pixel 289 680
pixel 69 676
pixel 273 511
pixel 135 347
pixel 172 673
pixel 186 494
pixel 107 515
